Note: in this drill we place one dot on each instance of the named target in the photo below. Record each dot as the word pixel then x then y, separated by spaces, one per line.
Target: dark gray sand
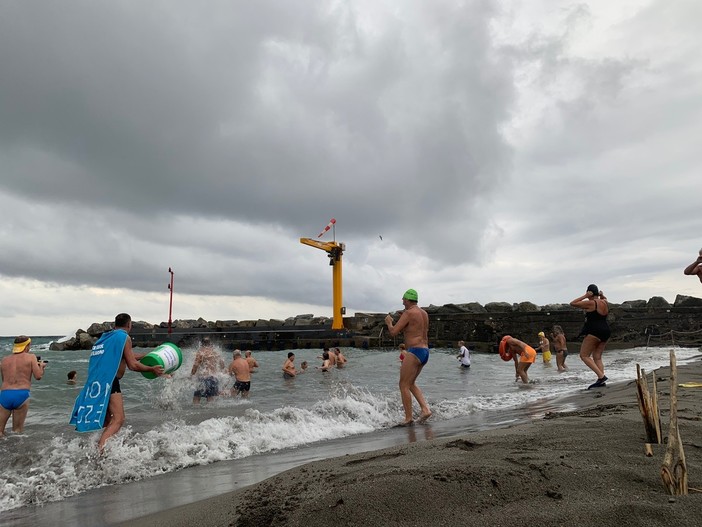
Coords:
pixel 584 468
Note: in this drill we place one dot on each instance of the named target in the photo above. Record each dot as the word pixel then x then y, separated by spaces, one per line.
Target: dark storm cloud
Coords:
pixel 258 113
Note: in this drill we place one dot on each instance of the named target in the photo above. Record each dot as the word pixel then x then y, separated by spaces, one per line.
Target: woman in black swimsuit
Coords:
pixel 596 331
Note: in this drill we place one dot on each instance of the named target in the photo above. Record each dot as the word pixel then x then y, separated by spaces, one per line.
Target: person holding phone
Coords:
pixel 17 371
pixel 695 268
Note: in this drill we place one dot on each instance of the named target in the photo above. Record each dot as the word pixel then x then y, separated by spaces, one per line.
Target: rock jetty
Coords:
pixel 634 323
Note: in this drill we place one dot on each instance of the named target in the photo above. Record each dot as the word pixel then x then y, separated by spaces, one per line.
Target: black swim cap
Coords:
pixel 592 288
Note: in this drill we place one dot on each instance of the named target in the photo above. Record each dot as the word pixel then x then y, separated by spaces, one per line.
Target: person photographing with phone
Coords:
pixel 17 371
pixel 695 268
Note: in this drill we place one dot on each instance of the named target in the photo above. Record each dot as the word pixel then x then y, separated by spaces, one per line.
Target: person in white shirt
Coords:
pixel 463 354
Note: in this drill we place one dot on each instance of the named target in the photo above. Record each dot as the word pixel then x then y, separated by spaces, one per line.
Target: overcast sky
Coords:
pixel 504 151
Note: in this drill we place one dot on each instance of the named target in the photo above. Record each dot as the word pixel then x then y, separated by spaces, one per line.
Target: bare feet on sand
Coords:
pixel 424 417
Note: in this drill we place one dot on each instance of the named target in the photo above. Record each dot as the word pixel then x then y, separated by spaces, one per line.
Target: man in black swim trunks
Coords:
pixel 241 371
pixel 207 364
pixel 559 343
pixel 115 411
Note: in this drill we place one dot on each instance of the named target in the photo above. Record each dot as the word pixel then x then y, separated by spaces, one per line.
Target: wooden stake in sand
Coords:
pixel 674 473
pixel 648 405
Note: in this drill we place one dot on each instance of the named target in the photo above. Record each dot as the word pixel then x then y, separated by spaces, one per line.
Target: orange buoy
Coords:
pixel 504 354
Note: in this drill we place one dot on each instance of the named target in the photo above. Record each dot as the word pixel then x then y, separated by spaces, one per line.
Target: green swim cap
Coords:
pixel 411 294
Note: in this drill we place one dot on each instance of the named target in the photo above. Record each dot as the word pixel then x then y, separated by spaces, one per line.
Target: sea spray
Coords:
pixel 65 467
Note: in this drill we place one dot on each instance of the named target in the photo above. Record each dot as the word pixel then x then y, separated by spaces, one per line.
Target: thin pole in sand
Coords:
pixel 674 472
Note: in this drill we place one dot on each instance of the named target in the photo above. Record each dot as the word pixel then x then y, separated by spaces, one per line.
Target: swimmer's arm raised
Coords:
pixel 695 267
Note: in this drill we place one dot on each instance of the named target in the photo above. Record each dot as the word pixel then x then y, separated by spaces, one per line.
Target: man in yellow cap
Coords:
pixel 17 370
pixel 414 323
pixel 545 348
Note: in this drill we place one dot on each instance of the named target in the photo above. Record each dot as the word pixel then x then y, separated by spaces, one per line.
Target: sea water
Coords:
pixel 165 432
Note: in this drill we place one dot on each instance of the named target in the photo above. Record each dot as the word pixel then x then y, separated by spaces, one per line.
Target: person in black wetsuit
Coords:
pixel 596 331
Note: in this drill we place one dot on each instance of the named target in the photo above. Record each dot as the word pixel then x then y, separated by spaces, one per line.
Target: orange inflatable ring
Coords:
pixel 504 354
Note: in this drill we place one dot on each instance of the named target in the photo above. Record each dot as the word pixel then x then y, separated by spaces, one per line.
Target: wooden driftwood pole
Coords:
pixel 674 471
pixel 648 405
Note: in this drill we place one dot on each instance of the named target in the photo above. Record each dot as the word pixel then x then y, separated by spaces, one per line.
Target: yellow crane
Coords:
pixel 334 250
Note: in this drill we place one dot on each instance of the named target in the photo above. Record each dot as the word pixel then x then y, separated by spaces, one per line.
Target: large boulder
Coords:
pixel 526 307
pixel 85 341
pixel 498 307
pixel 96 329
pixel 62 345
pixel 450 308
pixel 657 302
pixel 687 301
pixel 473 307
pixel 141 327
pixel 188 324
pixel 81 341
pixel 635 304
pixel 226 324
pixel 556 307
pixel 364 321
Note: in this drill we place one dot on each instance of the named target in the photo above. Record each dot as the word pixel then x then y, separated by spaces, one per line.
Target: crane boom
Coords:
pixel 334 250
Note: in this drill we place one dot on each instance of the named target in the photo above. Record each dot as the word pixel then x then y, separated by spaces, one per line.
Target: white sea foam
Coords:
pixel 69 466
pixel 168 433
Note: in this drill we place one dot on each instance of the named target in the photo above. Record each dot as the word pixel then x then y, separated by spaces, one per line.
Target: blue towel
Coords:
pixel 91 404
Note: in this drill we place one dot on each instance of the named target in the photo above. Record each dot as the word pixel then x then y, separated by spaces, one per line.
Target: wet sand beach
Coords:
pixel 585 467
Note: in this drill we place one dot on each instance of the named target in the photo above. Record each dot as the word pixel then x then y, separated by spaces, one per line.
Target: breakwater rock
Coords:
pixel 634 323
